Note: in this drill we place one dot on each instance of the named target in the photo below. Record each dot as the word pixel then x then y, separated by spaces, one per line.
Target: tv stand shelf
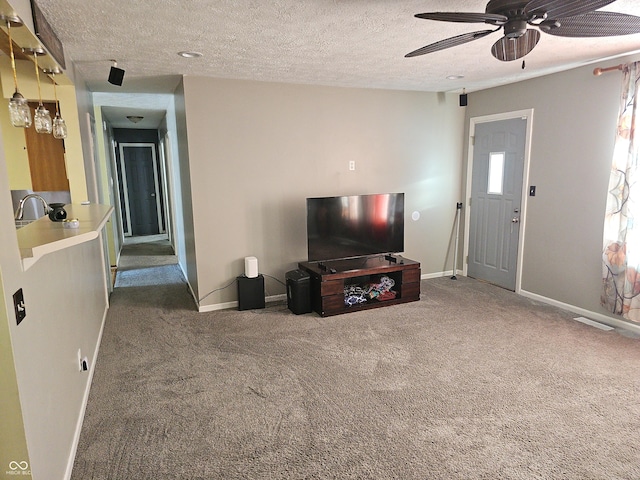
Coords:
pixel 330 277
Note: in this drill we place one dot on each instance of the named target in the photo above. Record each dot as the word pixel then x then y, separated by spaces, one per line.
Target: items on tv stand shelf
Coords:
pixel 331 279
pixel 394 259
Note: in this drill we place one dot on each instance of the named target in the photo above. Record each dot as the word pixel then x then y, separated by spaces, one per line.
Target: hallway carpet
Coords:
pixel 471 382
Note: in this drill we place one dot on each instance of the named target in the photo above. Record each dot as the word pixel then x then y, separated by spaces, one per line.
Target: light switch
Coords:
pixel 18 305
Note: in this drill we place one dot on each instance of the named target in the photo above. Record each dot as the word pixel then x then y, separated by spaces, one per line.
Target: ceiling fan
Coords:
pixel 564 18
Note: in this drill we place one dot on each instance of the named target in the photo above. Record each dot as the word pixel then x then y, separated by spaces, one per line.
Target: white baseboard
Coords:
pixel 607 320
pixel 276 298
pixel 186 279
pixel 448 273
pixel 599 317
pixel 217 306
pixel 227 305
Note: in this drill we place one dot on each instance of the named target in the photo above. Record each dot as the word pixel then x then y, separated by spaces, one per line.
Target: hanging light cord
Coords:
pixel 35 58
pixel 55 92
pixel 13 60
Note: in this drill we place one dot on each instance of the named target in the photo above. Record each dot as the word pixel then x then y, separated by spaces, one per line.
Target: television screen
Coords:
pixel 354 226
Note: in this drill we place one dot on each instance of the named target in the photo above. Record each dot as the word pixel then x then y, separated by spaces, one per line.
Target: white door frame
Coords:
pixel 525 114
pixel 155 183
pixel 167 163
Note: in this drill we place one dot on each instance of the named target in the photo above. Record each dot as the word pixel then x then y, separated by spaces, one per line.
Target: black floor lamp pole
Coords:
pixel 455 250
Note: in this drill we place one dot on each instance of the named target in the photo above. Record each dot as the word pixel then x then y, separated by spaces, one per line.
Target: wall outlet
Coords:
pixel 79 359
pixel 18 305
pixel 352 165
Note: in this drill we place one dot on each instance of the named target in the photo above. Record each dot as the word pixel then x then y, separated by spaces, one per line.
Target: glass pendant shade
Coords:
pixel 42 120
pixel 59 127
pixel 19 111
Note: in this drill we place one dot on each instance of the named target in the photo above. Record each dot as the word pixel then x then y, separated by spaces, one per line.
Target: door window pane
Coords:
pixel 496 173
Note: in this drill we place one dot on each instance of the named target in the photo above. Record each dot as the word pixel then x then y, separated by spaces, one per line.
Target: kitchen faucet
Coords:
pixel 20 210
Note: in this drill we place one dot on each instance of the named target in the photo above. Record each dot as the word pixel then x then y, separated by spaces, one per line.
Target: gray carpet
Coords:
pixel 471 382
pixel 135 256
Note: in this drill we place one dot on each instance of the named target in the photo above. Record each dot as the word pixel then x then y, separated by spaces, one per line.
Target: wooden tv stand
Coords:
pixel 329 278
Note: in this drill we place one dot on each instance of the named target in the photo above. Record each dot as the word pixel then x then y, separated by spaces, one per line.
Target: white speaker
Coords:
pixel 251 267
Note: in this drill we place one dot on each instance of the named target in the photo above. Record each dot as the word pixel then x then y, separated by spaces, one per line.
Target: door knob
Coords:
pixel 515 220
pixel 153 194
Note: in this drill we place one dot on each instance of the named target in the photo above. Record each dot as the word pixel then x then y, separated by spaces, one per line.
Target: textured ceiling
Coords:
pixel 352 43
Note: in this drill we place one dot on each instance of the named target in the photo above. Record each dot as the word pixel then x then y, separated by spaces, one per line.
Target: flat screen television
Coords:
pixel 355 226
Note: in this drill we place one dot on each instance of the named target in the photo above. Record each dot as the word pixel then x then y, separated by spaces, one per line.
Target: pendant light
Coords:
pixel 19 111
pixel 41 118
pixel 59 125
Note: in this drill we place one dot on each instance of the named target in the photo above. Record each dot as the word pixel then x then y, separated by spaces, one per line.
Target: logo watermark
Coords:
pixel 18 468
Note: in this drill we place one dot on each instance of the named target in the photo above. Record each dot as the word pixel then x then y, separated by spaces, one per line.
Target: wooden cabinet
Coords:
pixel 329 280
pixel 46 157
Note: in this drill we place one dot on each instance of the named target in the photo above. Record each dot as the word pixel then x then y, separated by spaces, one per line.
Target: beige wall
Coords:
pixel 186 247
pixel 258 150
pixel 86 149
pixel 13 440
pixel 573 132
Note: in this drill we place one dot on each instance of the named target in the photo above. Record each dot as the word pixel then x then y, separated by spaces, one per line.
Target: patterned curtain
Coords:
pixel 621 253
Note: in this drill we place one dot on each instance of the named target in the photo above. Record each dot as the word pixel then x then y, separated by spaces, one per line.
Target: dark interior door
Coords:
pixel 141 188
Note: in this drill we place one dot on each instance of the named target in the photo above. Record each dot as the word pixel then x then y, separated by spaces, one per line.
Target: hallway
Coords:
pixel 150 289
pixel 145 252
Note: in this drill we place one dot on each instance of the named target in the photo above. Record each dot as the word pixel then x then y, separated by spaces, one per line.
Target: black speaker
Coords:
pixel 298 291
pixel 116 75
pixel 250 292
pixel 463 100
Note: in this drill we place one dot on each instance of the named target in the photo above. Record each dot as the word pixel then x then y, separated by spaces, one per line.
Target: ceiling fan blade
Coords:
pixel 491 18
pixel 507 49
pixel 556 9
pixel 450 42
pixel 595 24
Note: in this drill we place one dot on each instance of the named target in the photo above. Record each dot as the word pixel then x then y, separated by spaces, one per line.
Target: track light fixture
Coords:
pixel 116 75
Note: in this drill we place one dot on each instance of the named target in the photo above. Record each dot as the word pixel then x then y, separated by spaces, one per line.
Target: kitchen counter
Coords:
pixel 44 236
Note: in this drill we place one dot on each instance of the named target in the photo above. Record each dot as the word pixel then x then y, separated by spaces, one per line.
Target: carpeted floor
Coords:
pixel 471 382
pixel 137 255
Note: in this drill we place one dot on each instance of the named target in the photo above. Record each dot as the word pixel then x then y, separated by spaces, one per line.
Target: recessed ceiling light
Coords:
pixel 187 54
pixel 454 77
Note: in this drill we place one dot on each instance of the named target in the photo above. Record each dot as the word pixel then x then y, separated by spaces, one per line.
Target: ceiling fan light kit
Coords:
pixel 563 18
